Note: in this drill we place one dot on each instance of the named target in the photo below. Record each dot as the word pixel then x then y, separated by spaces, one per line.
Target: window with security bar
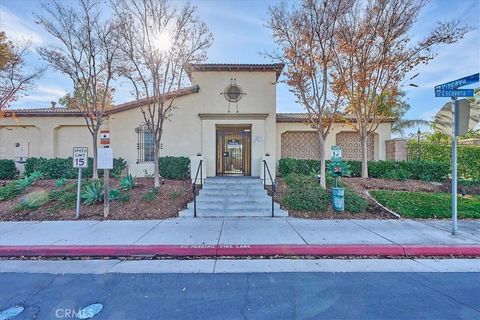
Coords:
pixel 145 144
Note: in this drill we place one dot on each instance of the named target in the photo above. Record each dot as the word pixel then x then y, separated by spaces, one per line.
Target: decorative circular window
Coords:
pixel 233 93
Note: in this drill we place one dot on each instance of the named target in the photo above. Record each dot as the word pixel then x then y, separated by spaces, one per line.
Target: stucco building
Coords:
pixel 227 117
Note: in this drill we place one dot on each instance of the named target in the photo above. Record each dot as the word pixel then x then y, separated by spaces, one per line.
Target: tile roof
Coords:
pixel 277 67
pixel 63 112
pixel 303 117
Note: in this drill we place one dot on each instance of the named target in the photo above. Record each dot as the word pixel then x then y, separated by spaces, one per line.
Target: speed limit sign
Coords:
pixel 80 157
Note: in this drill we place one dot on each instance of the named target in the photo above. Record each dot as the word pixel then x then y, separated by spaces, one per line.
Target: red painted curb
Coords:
pixel 239 250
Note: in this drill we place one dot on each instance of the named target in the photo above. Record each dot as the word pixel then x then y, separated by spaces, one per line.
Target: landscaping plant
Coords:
pixel 60 182
pixel 177 168
pixel 15 188
pixel 127 183
pixel 8 170
pixel 151 194
pixel 92 192
pixel 32 200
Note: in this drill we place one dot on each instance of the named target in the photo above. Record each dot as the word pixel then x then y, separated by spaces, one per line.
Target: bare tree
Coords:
pixel 14 80
pixel 374 54
pixel 85 51
pixel 306 36
pixel 157 40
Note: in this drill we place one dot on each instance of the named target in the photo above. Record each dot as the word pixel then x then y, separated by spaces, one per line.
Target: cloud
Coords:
pixel 17 29
pixel 44 94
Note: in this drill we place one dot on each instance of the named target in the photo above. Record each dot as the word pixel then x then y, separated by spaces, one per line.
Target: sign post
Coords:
pixel 450 89
pixel 105 161
pixel 80 160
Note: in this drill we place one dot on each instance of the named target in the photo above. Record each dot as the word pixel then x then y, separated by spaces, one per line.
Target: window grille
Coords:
pixel 145 144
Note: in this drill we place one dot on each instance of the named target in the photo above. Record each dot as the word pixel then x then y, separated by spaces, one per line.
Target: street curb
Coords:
pixel 238 250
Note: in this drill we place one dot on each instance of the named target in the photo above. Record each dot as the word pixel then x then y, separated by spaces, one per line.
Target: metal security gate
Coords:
pixel 233 151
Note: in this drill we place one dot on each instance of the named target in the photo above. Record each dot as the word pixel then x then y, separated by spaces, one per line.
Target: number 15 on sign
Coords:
pixel 80 160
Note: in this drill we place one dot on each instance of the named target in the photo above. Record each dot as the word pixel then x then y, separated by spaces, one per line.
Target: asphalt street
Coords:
pixel 319 295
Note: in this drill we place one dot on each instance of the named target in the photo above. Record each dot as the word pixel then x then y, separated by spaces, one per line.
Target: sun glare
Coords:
pixel 162 41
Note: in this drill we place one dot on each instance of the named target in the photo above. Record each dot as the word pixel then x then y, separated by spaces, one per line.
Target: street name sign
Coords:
pixel 454 93
pixel 80 157
pixel 474 78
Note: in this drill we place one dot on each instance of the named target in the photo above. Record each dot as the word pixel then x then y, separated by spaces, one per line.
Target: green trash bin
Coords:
pixel 338 199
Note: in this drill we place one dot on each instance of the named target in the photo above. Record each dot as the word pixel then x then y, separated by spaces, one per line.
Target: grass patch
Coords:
pixel 64 197
pixel 427 204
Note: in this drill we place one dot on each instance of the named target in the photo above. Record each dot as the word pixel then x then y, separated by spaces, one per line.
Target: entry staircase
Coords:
pixel 233 197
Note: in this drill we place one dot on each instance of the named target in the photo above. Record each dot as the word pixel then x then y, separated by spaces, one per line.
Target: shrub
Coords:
pixel 177 168
pixel 8 170
pixel 401 170
pixel 354 202
pixel 287 166
pixel 127 183
pixel 305 194
pixel 56 168
pixel 468 156
pixel 92 192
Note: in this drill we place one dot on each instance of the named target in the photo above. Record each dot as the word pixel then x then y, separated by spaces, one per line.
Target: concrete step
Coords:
pixel 188 213
pixel 264 205
pixel 229 186
pixel 233 180
pixel 233 193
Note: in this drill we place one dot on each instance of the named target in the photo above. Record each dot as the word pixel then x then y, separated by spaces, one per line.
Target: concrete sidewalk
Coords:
pixel 239 231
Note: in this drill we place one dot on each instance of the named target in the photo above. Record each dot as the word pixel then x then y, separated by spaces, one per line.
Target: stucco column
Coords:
pixel 194 162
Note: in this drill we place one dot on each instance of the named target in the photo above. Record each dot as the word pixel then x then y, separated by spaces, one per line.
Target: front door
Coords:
pixel 233 151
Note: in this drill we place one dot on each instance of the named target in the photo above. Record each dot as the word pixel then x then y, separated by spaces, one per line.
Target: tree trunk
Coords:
pixel 95 146
pixel 156 174
pixel 364 139
pixel 323 180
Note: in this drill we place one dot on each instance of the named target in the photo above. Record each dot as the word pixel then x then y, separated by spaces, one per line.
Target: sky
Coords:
pixel 240 36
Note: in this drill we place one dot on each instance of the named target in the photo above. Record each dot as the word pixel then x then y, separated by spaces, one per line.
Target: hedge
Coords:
pixel 56 168
pixel 287 166
pixel 468 156
pixel 398 170
pixel 8 170
pixel 177 168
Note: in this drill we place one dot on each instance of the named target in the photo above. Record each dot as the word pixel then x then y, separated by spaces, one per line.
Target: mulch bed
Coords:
pixel 173 197
pixel 373 211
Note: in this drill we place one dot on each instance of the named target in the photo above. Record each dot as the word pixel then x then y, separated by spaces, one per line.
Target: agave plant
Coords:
pixel 28 180
pixel 60 182
pixel 92 192
pixel 127 183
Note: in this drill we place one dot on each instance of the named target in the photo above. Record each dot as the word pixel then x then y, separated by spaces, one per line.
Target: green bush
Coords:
pixel 354 202
pixel 63 197
pixel 8 170
pixel 177 168
pixel 287 166
pixel 56 168
pixel 305 194
pixel 468 156
pixel 401 170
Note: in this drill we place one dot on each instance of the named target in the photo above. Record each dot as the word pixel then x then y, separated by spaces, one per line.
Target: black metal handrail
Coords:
pixel 194 187
pixel 274 187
